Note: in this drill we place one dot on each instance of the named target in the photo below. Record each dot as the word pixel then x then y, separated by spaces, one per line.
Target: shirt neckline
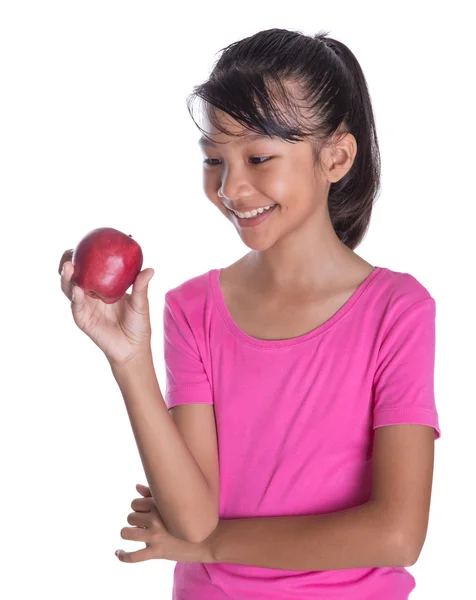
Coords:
pixel 256 342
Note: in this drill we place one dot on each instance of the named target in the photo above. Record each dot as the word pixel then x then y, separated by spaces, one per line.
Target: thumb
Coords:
pixel 139 290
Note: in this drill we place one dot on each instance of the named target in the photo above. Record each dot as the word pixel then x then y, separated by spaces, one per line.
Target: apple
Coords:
pixel 106 263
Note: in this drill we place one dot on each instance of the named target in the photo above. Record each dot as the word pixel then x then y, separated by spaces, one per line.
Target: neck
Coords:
pixel 310 257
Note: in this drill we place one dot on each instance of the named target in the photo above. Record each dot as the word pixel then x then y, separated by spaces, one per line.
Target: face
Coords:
pixel 247 173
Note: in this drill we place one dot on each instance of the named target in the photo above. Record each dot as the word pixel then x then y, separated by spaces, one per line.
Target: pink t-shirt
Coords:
pixel 295 419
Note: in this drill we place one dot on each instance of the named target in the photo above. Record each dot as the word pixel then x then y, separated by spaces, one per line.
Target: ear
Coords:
pixel 341 156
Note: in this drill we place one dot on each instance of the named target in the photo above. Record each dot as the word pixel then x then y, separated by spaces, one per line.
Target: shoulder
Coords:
pixel 192 294
pixel 401 290
pixel 402 298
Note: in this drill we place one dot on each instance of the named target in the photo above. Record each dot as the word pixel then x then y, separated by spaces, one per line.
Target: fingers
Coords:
pixel 139 519
pixel 67 287
pixel 66 275
pixel 143 489
pixel 143 504
pixel 67 255
pixel 66 270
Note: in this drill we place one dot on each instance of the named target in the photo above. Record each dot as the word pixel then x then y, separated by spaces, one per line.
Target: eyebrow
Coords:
pixel 204 142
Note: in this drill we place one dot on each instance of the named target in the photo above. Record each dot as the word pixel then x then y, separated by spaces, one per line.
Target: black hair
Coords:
pixel 248 82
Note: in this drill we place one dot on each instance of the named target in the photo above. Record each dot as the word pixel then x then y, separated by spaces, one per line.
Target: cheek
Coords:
pixel 279 185
pixel 291 188
pixel 210 185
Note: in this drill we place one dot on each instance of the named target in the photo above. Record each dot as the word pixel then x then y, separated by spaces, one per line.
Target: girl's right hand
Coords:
pixel 121 330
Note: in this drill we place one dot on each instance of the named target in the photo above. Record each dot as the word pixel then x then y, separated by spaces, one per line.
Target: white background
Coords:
pixel 94 132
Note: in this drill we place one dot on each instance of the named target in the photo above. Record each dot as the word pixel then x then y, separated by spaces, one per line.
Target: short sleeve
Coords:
pixel 186 378
pixel 404 376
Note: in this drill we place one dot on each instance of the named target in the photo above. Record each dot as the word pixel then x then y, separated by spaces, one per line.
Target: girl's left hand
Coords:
pixel 150 529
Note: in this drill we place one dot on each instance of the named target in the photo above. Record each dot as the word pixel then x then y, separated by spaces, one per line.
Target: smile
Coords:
pixel 253 213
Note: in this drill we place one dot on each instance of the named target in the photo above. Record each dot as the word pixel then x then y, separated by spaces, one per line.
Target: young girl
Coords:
pixel 295 459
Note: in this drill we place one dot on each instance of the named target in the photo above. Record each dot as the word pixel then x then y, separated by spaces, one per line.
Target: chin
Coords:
pixel 258 245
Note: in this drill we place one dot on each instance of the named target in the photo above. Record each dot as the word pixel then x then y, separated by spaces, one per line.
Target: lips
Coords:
pixel 253 221
pixel 250 210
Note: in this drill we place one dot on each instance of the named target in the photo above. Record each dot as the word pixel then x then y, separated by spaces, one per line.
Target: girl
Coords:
pixel 295 459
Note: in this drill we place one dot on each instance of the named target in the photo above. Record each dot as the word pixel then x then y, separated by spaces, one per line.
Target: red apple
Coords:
pixel 106 263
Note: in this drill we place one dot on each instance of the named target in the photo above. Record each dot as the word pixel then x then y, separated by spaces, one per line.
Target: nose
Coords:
pixel 233 187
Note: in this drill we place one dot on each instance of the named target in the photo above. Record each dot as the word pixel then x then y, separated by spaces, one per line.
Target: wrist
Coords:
pixel 141 358
pixel 137 379
pixel 177 549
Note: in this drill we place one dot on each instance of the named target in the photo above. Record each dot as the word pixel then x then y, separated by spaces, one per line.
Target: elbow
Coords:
pixel 405 547
pixel 402 535
pixel 410 553
pixel 207 526
pixel 201 534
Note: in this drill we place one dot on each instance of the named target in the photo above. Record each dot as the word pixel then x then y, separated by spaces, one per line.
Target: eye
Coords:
pixel 262 159
pixel 208 162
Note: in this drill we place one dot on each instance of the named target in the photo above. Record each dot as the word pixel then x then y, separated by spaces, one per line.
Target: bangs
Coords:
pixel 262 105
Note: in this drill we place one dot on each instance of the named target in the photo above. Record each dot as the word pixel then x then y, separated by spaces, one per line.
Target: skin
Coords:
pixel 296 260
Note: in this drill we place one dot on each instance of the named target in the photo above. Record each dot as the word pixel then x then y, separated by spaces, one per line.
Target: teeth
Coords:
pixel 251 214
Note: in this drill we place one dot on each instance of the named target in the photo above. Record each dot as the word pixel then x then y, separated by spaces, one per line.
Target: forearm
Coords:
pixel 177 484
pixel 353 538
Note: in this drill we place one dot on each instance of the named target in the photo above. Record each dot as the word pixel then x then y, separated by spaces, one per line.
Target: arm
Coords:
pixel 387 531
pixel 182 494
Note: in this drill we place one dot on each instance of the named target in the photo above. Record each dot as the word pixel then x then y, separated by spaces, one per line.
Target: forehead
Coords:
pixel 224 139
pixel 237 134
pixel 214 116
